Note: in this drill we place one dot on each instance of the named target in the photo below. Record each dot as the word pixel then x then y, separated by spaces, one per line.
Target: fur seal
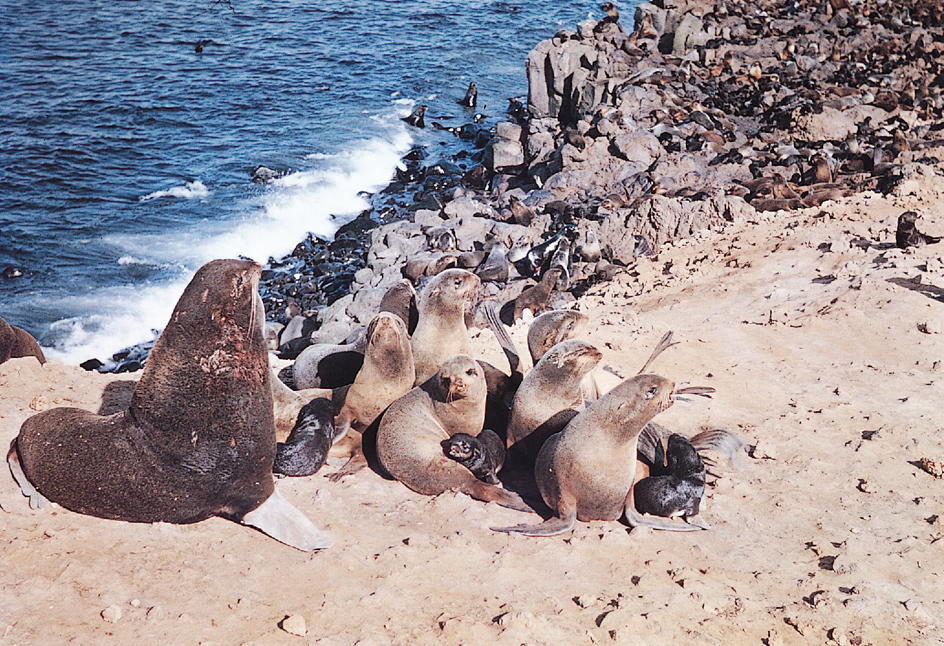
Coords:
pixel 416 117
pixel 16 342
pixel 677 488
pixel 326 365
pixel 586 472
pixel 483 455
pixel 550 328
pixel 387 374
pixel 400 299
pixel 12 272
pixel 411 432
pixel 907 234
pixel 535 298
pixel 495 266
pixel 198 439
pixel 471 96
pixel 548 398
pixel 441 330
pixel 306 449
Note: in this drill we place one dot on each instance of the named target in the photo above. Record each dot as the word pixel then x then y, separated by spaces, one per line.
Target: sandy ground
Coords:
pixel 824 344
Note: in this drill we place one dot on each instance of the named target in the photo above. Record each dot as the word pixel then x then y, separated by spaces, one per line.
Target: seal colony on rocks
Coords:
pixel 198 439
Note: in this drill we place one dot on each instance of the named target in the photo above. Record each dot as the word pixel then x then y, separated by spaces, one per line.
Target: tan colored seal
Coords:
pixel 550 328
pixel 441 331
pixel 16 343
pixel 586 472
pixel 387 375
pixel 198 439
pixel 411 433
pixel 548 398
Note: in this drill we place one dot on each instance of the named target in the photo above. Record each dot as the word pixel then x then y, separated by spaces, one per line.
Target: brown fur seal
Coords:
pixel 907 234
pixel 325 365
pixel 548 398
pixel 387 375
pixel 411 432
pixel 586 472
pixel 534 298
pixel 550 328
pixel 306 449
pixel 441 331
pixel 400 299
pixel 15 343
pixel 198 439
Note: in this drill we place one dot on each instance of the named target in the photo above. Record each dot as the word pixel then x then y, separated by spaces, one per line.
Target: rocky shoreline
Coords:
pixel 704 113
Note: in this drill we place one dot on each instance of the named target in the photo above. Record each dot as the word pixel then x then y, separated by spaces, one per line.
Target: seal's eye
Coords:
pixel 652 392
pixel 470 372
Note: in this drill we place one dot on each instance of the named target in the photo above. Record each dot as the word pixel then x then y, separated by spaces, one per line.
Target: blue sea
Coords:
pixel 126 155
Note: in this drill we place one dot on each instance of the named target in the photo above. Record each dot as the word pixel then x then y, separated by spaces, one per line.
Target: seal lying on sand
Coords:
pixel 482 455
pixel 306 449
pixel 586 472
pixel 411 432
pixel 678 490
pixel 198 439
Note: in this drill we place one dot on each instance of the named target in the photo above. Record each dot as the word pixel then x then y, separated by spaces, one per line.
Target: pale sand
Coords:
pixel 828 534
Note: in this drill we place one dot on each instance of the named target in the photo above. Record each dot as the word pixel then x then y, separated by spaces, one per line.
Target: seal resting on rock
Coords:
pixel 15 343
pixel 411 432
pixel 198 439
pixel 586 472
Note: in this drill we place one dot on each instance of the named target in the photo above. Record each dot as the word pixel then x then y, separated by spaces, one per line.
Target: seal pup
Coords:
pixel 16 342
pixel 495 266
pixel 548 398
pixel 441 330
pixel 483 455
pixel 416 117
pixel 306 449
pixel 587 471
pixel 198 439
pixel 387 374
pixel 679 490
pixel 907 234
pixel 411 432
pixel 550 328
pixel 471 96
pixel 535 298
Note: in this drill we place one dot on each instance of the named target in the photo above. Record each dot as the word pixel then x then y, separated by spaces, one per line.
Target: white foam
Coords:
pixel 316 200
pixel 189 191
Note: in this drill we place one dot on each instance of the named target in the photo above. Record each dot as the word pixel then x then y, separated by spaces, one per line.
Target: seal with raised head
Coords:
pixel 548 398
pixel 198 439
pixel 471 96
pixel 441 330
pixel 677 488
pixel 16 342
pixel 483 455
pixel 411 432
pixel 387 374
pixel 586 472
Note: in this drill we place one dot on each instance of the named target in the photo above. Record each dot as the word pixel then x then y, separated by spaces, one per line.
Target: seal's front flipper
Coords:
pixel 550 527
pixel 36 499
pixel 280 520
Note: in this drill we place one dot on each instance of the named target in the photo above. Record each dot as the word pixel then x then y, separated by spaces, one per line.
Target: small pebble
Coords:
pixel 294 625
pixel 111 614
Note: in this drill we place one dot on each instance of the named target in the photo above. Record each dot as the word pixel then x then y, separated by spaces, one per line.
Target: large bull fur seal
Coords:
pixel 198 439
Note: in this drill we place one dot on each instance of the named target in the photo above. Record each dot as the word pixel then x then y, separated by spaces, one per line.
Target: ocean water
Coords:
pixel 126 155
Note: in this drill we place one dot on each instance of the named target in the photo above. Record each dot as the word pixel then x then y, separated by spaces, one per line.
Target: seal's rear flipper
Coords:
pixel 635 519
pixel 697 521
pixel 36 499
pixel 550 527
pixel 723 441
pixel 280 520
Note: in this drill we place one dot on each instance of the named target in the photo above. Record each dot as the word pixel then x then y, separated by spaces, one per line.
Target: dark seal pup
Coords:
pixel 907 234
pixel 306 449
pixel 679 490
pixel 199 437
pixel 483 455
